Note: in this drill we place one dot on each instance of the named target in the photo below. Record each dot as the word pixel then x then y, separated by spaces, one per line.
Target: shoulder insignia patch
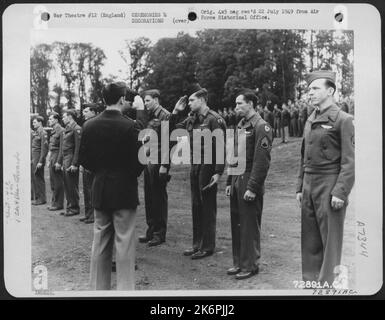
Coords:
pixel 265 143
pixel 267 128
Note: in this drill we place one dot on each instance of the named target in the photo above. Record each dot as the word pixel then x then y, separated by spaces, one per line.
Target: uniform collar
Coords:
pixel 329 113
pixel 71 125
pixel 157 111
pixel 252 119
pixel 56 127
pixel 204 112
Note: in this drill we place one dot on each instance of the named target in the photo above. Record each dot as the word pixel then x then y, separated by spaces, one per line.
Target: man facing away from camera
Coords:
pixel 325 180
pixel 109 149
pixel 246 190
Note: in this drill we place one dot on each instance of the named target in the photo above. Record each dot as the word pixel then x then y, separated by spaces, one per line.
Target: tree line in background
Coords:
pixel 272 62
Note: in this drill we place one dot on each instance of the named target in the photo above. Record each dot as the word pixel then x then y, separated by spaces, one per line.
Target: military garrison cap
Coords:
pixel 321 74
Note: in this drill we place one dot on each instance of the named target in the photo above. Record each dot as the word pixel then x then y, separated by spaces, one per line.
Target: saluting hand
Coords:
pixel 57 166
pixel 181 104
pixel 337 203
pixel 249 196
pixel 138 103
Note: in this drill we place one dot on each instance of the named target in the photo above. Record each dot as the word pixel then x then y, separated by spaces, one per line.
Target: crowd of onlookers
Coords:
pixel 287 119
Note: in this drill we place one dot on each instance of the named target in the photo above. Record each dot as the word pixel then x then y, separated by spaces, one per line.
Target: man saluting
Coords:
pixel 204 176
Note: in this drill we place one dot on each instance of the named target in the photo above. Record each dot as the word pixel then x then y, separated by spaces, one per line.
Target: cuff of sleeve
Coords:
pixel 339 195
pixel 219 170
pixel 255 188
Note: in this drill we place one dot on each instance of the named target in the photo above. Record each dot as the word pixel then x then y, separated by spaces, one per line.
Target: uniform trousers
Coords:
pixel 71 186
pixel 204 207
pixel 156 202
pixel 38 182
pixel 88 178
pixel 57 184
pixel 322 228
pixel 245 225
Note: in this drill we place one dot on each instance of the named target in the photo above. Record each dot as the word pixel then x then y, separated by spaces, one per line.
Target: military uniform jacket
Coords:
pixel 71 143
pixel 109 149
pixel 39 144
pixel 328 148
pixel 259 140
pixel 55 141
pixel 153 120
pixel 210 120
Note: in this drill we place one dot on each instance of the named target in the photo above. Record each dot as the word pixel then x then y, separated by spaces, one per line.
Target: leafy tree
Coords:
pixel 41 65
pixel 173 63
pixel 135 56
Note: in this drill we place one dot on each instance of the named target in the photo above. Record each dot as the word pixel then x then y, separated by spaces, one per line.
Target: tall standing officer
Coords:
pixel 155 175
pixel 70 156
pixel 325 180
pixel 204 177
pixel 90 110
pixel 55 171
pixel 39 153
pixel 109 149
pixel 246 190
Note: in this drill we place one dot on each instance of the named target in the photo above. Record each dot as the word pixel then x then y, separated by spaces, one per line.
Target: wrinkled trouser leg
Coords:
pixel 245 225
pixel 322 229
pixel 113 227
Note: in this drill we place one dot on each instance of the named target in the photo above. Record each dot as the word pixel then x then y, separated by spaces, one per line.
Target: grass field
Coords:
pixel 63 245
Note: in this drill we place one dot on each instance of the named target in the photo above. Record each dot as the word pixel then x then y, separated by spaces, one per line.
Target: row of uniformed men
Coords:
pixel 62 151
pixel 324 184
pixel 326 178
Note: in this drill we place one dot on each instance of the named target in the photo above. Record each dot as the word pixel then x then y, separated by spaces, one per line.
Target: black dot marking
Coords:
pixel 192 16
pixel 45 16
pixel 339 17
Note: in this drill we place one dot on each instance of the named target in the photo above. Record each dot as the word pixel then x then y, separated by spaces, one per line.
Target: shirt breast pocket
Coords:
pixel 250 139
pixel 328 134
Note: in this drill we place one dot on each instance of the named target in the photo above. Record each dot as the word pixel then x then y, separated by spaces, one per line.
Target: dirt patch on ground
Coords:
pixel 63 244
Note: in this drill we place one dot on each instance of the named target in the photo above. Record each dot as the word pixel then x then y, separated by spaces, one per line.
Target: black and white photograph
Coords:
pixel 193 159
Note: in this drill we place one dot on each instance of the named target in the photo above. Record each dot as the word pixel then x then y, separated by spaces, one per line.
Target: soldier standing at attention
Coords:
pixel 55 171
pixel 246 190
pixel 39 152
pixel 204 177
pixel 325 180
pixel 70 155
pixel 90 111
pixel 155 175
